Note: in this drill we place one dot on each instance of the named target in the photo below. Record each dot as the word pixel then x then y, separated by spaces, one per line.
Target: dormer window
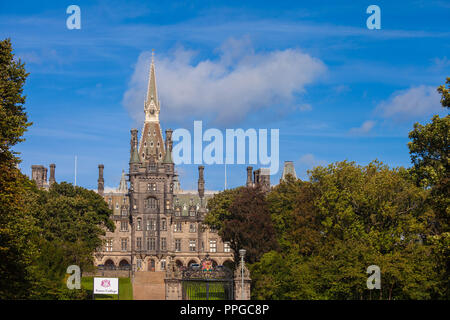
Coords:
pixel 151 144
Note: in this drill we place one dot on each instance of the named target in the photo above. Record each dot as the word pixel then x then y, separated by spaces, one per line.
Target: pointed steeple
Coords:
pixel 152 107
pixel 151 144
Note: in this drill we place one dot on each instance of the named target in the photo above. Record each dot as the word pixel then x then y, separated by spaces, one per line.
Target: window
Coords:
pixel 139 264
pixel 163 264
pixel 124 200
pixel 124 212
pixel 151 187
pixel 177 227
pixel 151 244
pixel 168 204
pixel 192 212
pixel 163 244
pixel 178 245
pixel 226 247
pixel 163 224
pixel 191 245
pixel 139 224
pixel 109 244
pixel 124 243
pixel 152 224
pixel 212 246
pixel 213 230
pixel 177 211
pixel 139 243
pixel 117 205
pixel 151 203
pixel 123 226
pixel 192 227
pixel 171 189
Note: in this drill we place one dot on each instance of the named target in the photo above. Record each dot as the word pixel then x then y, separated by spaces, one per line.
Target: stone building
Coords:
pixel 154 218
pixel 157 222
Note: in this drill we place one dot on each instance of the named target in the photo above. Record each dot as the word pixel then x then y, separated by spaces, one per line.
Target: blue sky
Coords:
pixel 335 89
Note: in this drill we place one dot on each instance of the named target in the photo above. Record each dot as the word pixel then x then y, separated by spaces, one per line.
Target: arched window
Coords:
pixel 151 203
pixel 139 224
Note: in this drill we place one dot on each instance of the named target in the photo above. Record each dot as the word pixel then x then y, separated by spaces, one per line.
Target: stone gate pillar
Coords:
pixel 173 281
pixel 238 283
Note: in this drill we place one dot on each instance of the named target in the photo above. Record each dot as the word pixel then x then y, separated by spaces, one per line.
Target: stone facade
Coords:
pixel 154 218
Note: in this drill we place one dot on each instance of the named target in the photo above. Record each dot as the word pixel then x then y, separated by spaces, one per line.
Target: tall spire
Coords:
pixel 152 107
pixel 151 144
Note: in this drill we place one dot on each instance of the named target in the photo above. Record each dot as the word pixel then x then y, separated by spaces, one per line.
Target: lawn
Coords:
pixel 125 289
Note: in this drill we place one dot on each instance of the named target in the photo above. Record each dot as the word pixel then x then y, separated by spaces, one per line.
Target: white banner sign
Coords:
pixel 106 285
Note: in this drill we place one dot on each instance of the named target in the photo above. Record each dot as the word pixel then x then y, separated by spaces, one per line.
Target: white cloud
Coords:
pixel 238 82
pixel 310 161
pixel 364 128
pixel 412 103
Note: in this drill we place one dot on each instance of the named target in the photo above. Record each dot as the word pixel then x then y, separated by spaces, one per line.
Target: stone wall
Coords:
pixel 109 274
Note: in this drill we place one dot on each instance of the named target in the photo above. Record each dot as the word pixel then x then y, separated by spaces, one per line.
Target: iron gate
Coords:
pixel 207 283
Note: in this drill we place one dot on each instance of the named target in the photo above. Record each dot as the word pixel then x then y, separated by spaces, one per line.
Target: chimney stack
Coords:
pixel 201 182
pixel 249 176
pixel 101 182
pixel 52 180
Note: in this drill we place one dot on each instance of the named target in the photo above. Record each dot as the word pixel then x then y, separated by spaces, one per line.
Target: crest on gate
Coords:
pixel 207 265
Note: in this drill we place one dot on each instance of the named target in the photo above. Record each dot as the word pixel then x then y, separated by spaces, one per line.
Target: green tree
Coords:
pixel 242 218
pixel 16 228
pixel 71 221
pixel 350 217
pixel 429 150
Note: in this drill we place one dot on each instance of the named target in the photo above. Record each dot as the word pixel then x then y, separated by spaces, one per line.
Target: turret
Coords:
pixel 134 155
pixel 52 180
pixel 249 176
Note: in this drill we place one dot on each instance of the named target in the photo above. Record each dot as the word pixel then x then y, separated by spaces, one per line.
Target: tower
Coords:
pixel 288 170
pixel 151 176
pixel 52 180
pixel 151 145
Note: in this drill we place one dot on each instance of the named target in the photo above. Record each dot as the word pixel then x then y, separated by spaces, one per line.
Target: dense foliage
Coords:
pixel 347 217
pixel 41 232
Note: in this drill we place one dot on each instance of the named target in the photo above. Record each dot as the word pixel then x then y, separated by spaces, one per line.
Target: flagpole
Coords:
pixel 75 171
pixel 225 176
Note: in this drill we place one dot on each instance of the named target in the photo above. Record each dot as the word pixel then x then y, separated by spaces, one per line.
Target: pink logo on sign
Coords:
pixel 105 283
